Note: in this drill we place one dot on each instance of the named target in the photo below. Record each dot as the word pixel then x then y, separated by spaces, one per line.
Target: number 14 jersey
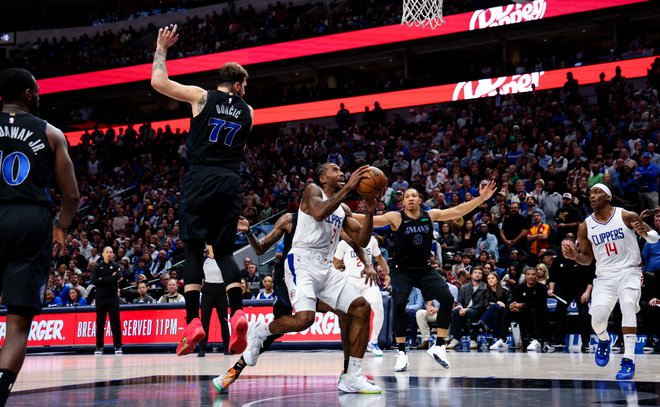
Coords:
pixel 614 244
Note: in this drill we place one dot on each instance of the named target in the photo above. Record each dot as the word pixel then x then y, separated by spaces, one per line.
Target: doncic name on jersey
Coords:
pixel 228 110
pixel 609 236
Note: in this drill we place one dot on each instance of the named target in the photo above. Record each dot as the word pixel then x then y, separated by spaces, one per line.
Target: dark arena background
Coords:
pixel 545 97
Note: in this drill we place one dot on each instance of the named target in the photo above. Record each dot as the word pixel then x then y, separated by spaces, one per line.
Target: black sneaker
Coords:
pixel 201 353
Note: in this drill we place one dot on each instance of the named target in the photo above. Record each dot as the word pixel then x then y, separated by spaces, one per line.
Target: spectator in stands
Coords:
pixel 247 295
pixel 542 273
pixel 143 297
pixel 52 300
pixel 415 303
pixel 75 283
pixel 486 242
pixel 498 299
pixel 252 280
pixel 529 308
pixel 447 240
pixel 172 294
pixel 161 264
pixel 75 298
pixel 650 311
pixel 538 237
pixel 470 305
pixel 60 289
pixel 266 293
pixel 514 231
pixel 567 217
pixel 651 252
pixel 512 277
pixel 646 176
pixel 429 315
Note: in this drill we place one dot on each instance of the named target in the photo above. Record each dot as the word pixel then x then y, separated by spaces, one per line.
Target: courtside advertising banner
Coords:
pixel 153 327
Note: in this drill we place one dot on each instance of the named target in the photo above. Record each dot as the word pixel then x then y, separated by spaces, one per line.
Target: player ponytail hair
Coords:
pixel 231 72
pixel 13 83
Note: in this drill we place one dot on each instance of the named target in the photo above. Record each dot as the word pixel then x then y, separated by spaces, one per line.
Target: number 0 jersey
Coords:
pixel 218 134
pixel 26 159
pixel 614 244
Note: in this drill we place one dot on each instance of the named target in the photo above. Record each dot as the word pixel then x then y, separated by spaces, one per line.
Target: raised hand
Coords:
pixel 487 190
pixel 167 37
pixel 243 225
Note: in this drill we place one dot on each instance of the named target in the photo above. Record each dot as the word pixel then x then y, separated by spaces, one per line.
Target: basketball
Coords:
pixel 373 185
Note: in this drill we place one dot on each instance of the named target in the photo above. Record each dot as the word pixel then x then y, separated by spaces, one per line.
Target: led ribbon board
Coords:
pixel 544 80
pixel 477 20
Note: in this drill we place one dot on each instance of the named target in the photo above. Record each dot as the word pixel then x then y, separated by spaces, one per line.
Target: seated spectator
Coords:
pixel 247 295
pixel 143 297
pixel 415 303
pixel 266 293
pixel 469 307
pixel 497 300
pixel 486 242
pixel 60 289
pixel 75 298
pixel 448 241
pixel 75 283
pixel 52 300
pixel 172 294
pixel 538 237
pixel 252 280
pixel 542 273
pixel 529 308
pixel 429 315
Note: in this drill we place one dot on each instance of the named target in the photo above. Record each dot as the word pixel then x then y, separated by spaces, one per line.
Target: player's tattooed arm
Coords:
pixel 202 102
pixel 159 61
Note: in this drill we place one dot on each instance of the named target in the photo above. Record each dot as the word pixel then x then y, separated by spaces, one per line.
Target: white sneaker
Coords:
pixel 473 345
pixel 255 343
pixel 499 345
pixel 439 354
pixel 453 343
pixel 98 352
pixel 357 384
pixel 534 346
pixel 118 351
pixel 373 348
pixel 401 362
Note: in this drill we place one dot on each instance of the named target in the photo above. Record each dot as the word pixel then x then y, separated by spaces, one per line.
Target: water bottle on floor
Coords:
pixel 465 343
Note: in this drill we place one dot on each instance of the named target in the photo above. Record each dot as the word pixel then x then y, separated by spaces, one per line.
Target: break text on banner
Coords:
pixel 585 75
pixel 477 20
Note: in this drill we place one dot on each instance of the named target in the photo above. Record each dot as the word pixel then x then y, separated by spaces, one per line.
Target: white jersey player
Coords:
pixel 354 268
pixel 608 236
pixel 309 273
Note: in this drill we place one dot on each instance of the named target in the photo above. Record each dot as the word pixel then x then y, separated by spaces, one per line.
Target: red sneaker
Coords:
pixel 239 327
pixel 192 334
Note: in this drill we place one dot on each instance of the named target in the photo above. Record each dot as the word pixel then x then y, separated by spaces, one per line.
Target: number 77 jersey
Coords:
pixel 218 134
pixel 26 159
pixel 614 244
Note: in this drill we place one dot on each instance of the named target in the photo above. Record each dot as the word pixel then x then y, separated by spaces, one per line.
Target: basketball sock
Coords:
pixel 192 305
pixel 7 379
pixel 439 341
pixel 346 365
pixel 235 299
pixel 239 366
pixel 629 342
pixel 354 366
pixel 401 347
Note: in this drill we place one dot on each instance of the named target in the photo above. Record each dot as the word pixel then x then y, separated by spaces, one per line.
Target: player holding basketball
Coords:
pixel 354 267
pixel 413 238
pixel 212 195
pixel 309 273
pixel 285 226
pixel 608 235
pixel 27 234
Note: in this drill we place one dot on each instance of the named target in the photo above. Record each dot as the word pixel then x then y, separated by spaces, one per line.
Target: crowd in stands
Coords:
pixel 544 149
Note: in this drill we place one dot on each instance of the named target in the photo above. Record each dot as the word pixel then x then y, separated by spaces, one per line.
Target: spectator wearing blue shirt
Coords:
pixel 60 289
pixel 651 252
pixel 647 182
pixel 486 242
pixel 467 187
pixel 415 303
pixel 52 300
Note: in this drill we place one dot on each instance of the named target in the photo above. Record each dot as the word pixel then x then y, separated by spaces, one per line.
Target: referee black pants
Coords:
pixel 214 295
pixel 110 307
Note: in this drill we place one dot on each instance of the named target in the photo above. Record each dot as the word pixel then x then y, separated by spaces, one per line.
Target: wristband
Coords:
pixel 652 236
pixel 249 232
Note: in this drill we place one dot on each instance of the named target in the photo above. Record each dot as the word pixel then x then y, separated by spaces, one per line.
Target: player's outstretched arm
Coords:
pixel 485 192
pixel 582 253
pixel 261 246
pixel 160 80
pixel 635 222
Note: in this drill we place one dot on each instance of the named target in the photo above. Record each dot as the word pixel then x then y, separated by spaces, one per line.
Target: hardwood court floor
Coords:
pixel 305 378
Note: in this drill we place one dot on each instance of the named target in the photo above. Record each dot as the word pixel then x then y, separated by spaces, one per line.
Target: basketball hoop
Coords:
pixel 422 13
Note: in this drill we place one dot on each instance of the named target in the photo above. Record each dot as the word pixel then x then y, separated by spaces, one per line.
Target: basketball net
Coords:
pixel 422 13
